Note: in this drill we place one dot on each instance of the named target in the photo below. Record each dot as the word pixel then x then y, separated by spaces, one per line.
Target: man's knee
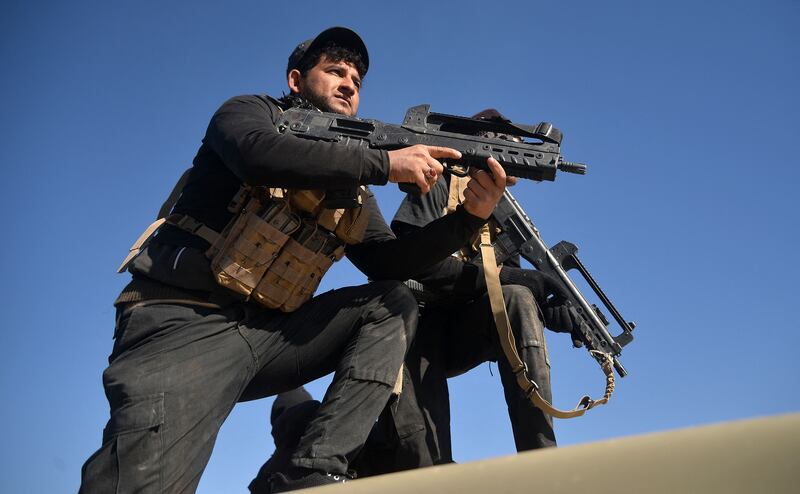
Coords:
pixel 397 295
pixel 386 332
pixel 399 301
pixel 518 294
pixel 526 319
pixel 521 302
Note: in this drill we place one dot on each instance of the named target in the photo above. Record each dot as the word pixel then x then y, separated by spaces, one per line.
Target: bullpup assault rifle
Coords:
pixel 536 157
pixel 518 235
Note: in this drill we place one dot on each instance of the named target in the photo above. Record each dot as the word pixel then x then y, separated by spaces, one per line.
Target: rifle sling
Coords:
pixel 509 346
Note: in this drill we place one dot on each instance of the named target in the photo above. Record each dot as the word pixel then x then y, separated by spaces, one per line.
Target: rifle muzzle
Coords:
pixel 572 167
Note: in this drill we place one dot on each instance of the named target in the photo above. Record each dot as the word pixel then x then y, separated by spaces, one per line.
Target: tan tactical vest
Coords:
pixel 281 244
pixel 277 247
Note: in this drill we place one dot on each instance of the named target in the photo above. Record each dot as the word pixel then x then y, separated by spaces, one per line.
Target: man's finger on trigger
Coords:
pixel 443 152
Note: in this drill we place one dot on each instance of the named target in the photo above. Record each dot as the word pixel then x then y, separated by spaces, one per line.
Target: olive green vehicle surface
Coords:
pixel 750 456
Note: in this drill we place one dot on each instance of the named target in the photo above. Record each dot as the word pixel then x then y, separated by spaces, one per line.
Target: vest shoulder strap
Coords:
pixel 183 222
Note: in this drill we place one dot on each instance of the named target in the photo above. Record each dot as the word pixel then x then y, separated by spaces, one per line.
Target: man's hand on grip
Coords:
pixel 419 165
pixel 485 189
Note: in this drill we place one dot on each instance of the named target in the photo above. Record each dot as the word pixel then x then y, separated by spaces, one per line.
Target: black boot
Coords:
pixel 304 478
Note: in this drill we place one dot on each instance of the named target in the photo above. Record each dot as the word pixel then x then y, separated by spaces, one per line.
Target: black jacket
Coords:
pixel 242 145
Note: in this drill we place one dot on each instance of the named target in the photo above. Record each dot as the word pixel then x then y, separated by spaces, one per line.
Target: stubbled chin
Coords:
pixel 333 105
pixel 340 106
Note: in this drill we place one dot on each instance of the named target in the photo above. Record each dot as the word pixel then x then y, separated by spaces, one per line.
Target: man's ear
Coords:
pixel 294 80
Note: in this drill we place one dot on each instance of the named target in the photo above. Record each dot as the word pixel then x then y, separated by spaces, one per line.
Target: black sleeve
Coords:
pixel 450 275
pixel 383 256
pixel 243 134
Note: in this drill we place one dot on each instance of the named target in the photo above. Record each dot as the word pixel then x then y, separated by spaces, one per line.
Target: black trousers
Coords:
pixel 176 372
pixel 414 430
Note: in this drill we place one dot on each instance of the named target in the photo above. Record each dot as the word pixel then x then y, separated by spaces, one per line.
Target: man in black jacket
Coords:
pixel 186 349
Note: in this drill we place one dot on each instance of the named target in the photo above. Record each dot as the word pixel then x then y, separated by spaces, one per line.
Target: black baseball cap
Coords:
pixel 342 36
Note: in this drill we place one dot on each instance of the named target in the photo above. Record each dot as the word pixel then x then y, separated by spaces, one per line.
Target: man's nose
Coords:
pixel 348 87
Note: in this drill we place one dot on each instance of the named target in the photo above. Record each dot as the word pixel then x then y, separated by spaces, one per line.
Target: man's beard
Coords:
pixel 319 102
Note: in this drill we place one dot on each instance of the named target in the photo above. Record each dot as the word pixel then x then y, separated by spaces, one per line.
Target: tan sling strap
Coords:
pixel 455 195
pixel 183 222
pixel 509 346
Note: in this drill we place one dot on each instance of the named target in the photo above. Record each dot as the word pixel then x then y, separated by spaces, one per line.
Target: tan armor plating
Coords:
pixel 277 247
pixel 281 244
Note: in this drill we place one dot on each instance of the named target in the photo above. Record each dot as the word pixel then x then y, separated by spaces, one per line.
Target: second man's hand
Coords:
pixel 419 165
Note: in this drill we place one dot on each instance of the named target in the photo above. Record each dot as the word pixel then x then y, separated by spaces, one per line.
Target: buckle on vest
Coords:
pixel 188 224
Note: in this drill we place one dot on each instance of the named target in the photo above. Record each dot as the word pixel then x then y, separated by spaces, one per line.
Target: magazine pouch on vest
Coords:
pixel 250 245
pixel 281 244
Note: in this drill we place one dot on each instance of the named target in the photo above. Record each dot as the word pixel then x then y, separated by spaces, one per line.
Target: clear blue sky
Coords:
pixel 687 113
